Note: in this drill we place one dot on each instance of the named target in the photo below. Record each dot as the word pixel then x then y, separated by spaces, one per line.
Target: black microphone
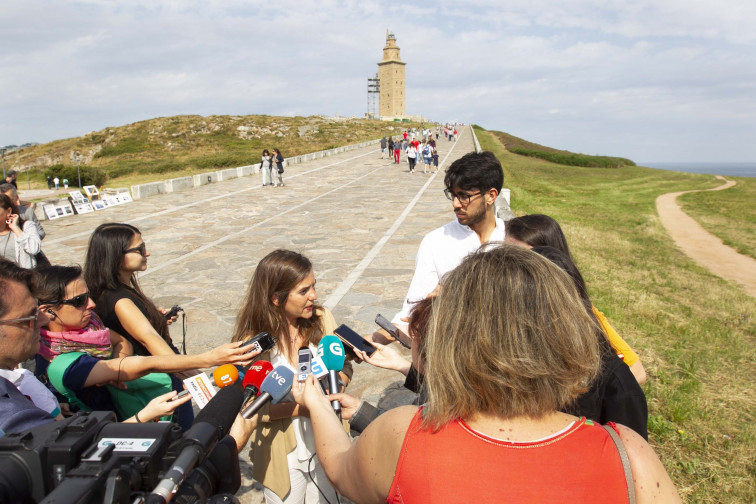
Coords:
pixel 274 387
pixel 212 423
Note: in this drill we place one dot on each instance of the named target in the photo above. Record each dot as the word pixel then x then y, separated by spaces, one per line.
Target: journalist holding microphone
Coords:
pixel 508 345
pixel 281 300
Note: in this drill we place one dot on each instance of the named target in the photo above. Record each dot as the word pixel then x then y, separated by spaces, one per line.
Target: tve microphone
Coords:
pixel 225 375
pixel 211 424
pixel 331 350
pixel 274 387
pixel 254 378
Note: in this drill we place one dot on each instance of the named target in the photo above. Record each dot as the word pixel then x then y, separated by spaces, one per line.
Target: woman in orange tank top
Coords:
pixel 508 343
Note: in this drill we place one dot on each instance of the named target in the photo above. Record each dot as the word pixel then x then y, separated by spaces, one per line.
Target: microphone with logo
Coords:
pixel 331 351
pixel 254 377
pixel 274 387
pixel 211 424
pixel 225 375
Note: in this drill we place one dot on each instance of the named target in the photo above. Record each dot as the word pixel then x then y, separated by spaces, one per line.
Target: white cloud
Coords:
pixel 560 70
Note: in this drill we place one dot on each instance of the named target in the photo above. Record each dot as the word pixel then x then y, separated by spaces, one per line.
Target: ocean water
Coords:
pixel 732 169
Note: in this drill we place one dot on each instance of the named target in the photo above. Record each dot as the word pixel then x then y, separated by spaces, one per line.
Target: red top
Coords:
pixel 457 464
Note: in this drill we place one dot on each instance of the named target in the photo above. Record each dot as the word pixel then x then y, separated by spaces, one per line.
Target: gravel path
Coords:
pixel 703 247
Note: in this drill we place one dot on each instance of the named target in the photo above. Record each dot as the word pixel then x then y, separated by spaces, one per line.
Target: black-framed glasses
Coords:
pixel 31 319
pixel 79 301
pixel 463 198
pixel 142 249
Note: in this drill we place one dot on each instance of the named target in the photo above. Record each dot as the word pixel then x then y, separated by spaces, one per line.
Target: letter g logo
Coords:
pixel 336 349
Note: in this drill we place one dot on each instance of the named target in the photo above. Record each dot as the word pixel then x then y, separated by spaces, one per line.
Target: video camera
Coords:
pixel 91 458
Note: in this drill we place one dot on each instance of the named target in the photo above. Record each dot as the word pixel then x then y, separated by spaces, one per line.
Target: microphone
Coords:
pixel 254 378
pixel 274 387
pixel 331 350
pixel 211 424
pixel 225 375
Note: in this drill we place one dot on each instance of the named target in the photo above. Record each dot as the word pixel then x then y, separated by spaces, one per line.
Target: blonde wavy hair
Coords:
pixel 508 336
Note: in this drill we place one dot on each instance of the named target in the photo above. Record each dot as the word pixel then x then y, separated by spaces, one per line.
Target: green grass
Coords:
pixel 695 333
pixel 727 214
pixel 567 158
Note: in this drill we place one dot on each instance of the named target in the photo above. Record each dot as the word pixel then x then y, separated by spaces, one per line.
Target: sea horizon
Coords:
pixel 743 169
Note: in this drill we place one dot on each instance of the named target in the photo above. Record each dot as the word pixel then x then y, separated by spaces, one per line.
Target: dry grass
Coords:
pixel 695 333
pixel 169 147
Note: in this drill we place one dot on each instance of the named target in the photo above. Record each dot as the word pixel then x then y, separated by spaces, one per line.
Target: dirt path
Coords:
pixel 703 247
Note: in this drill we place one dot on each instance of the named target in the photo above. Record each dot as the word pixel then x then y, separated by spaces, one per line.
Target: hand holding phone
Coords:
pixel 178 396
pixel 394 331
pixel 353 340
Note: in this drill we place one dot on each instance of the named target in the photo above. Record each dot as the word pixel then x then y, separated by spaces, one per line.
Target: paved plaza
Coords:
pixel 357 217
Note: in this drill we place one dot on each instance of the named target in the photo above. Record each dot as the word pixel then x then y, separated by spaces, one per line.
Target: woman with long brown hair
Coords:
pixel 282 300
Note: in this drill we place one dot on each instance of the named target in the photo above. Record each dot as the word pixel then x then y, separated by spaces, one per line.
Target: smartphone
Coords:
pixel 304 367
pixel 260 342
pixel 394 331
pixel 179 396
pixel 353 340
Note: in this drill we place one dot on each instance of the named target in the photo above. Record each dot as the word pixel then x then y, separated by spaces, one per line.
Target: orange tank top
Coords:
pixel 457 464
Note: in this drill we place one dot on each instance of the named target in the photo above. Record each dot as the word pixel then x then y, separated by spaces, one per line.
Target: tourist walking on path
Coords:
pixel 278 159
pixel 384 143
pixel 434 156
pixel 411 156
pixel 397 150
pixel 265 167
pixel 49 183
pixel 56 180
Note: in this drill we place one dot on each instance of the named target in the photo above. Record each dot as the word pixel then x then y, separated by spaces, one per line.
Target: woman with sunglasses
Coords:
pixel 83 359
pixel 19 240
pixel 115 255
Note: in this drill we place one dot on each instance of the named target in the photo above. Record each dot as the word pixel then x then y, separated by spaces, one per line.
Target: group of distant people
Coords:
pixel 419 148
pixel 524 392
pixel 272 165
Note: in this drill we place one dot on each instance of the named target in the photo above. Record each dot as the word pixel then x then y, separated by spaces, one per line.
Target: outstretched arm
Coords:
pixel 362 471
pixel 131 368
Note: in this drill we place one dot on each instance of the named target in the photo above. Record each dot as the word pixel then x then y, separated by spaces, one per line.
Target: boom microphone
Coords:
pixel 331 350
pixel 274 387
pixel 254 378
pixel 212 423
pixel 225 375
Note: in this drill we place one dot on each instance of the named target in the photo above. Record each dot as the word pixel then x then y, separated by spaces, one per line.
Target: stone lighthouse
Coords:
pixel 391 75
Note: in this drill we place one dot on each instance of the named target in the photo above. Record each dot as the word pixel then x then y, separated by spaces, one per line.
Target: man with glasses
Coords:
pixel 472 184
pixel 24 401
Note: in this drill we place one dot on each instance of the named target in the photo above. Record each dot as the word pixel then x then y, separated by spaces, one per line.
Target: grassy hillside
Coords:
pixel 530 149
pixel 727 214
pixel 168 147
pixel 695 333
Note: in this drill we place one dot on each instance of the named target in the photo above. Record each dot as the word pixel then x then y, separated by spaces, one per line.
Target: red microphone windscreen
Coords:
pixel 257 373
pixel 225 375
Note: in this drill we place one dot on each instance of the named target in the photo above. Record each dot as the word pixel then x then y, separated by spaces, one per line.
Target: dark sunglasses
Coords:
pixel 142 249
pixel 79 301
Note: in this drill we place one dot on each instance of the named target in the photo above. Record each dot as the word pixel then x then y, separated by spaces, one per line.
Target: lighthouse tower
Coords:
pixel 391 75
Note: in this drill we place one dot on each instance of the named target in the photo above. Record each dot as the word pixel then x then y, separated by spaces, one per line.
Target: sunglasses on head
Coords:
pixel 142 249
pixel 79 301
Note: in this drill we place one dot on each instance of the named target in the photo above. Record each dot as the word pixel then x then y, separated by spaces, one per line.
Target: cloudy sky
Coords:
pixel 652 80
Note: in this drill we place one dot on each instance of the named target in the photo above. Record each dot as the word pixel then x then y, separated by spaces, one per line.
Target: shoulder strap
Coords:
pixel 55 372
pixel 625 462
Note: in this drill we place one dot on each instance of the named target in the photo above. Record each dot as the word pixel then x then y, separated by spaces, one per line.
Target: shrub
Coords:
pixel 89 175
pixel 570 159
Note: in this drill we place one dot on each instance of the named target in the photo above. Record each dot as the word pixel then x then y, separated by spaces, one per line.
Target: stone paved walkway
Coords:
pixel 358 218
